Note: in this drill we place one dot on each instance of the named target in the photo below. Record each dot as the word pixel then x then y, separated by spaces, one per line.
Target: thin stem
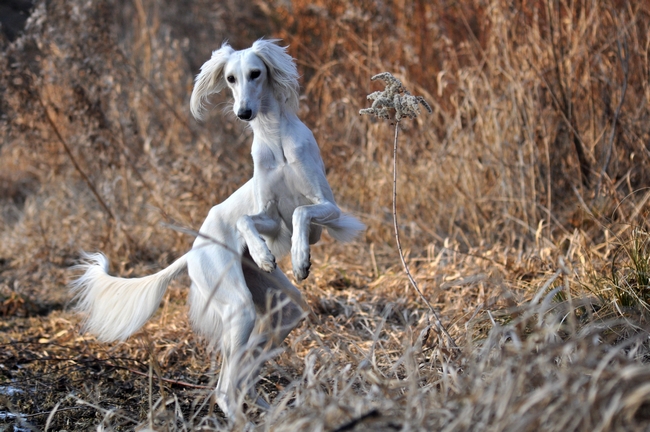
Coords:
pixel 441 328
pixel 83 175
pixel 625 67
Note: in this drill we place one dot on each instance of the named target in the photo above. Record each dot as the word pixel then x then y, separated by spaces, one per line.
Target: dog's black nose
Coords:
pixel 245 114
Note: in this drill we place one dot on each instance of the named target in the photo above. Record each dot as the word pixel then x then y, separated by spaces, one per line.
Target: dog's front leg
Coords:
pixel 303 217
pixel 250 227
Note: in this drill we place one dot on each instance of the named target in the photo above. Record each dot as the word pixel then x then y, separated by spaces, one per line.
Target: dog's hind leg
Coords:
pixel 280 308
pixel 222 309
pixel 279 304
pixel 221 305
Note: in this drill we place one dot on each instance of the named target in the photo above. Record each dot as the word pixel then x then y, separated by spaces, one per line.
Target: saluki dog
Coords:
pixel 232 264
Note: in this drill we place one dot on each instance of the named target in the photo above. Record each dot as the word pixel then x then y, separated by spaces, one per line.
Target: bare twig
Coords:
pixel 565 105
pixel 624 59
pixel 83 175
pixel 373 413
pixel 163 379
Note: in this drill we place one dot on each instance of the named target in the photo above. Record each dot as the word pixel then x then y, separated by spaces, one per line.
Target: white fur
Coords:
pixel 118 319
pixel 282 208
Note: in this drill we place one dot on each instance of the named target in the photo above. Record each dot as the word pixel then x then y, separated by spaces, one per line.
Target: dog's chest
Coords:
pixel 277 181
pixel 267 159
pixel 272 174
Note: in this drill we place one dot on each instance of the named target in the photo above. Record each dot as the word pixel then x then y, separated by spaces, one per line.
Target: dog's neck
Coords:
pixel 269 127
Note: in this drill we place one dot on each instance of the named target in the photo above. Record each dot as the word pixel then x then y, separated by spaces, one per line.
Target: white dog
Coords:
pixel 282 208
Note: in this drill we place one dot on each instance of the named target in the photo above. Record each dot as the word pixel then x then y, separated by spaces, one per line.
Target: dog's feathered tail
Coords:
pixel 346 228
pixel 117 307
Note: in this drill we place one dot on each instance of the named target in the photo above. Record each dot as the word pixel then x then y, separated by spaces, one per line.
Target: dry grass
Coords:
pixel 523 204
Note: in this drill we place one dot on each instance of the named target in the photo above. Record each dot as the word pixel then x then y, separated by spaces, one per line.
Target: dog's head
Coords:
pixel 254 74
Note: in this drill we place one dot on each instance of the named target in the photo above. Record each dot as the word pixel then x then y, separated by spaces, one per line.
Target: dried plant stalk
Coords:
pixel 395 96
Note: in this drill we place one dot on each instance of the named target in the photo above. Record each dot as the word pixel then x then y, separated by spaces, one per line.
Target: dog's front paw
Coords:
pixel 268 264
pixel 301 268
pixel 263 258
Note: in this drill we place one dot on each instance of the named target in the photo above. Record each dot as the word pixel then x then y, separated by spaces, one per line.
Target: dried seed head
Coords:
pixel 396 97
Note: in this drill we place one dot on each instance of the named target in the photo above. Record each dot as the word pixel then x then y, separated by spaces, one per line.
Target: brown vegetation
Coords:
pixel 523 202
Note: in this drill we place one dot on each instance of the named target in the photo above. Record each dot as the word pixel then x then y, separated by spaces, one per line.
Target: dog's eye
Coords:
pixel 255 74
pixel 231 79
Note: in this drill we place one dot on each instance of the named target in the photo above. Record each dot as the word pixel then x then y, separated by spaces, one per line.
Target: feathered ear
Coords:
pixel 209 80
pixel 282 71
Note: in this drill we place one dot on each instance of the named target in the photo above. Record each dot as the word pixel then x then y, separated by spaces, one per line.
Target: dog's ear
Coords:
pixel 210 80
pixel 283 74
